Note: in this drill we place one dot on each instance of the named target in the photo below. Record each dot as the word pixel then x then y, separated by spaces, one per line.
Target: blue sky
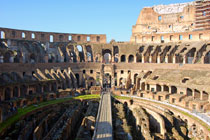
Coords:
pixel 111 17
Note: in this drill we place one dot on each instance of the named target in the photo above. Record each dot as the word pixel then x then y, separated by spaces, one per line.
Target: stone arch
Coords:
pixel 107 80
pixel 7 94
pixel 143 86
pixel 197 94
pixel 207 58
pixel 78 79
pixel 15 91
pixel 54 87
pixel 107 56
pixel 190 55
pixel 38 88
pixel 89 53
pixel 135 78
pixel 3 35
pixel 189 92
pixel 205 96
pixel 173 89
pixel 91 81
pixel 121 81
pixel 158 87
pixel 165 88
pixel 7 57
pixel 131 59
pixel 116 53
pixel 81 53
pixel 46 88
pixel 23 90
pixel 32 58
pixel 123 58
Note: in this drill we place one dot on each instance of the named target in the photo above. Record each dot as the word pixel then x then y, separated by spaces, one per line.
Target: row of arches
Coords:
pixel 24 90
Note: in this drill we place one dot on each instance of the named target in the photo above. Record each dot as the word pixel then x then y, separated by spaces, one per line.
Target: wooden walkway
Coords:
pixel 103 129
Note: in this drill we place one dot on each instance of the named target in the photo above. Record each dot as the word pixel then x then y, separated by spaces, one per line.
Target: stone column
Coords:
pixel 162 88
pixel 193 93
pixel 142 59
pixel 166 59
pixel 18 91
pixel 201 97
pixel 169 89
pixel 150 59
pixel 202 59
pixel 174 59
pixel 1 59
pixel 11 59
pixel 158 59
pixel 184 59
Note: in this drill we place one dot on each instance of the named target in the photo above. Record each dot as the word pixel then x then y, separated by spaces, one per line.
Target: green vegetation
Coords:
pixel 121 97
pixel 23 111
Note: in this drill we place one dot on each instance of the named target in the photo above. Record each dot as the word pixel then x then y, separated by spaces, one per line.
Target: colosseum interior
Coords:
pixel 52 85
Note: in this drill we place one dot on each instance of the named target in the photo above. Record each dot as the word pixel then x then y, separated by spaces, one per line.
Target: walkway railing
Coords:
pixel 200 116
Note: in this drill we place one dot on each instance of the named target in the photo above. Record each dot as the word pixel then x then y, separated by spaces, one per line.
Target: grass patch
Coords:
pixel 23 111
pixel 121 97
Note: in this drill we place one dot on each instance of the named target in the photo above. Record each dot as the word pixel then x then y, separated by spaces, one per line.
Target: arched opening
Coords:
pixel 197 94
pixel 89 54
pixel 116 53
pixel 46 88
pixel 73 57
pixel 121 82
pixel 15 92
pixel 7 94
pixel 189 92
pixel 158 88
pixel 54 87
pixel 3 35
pixel 131 58
pixel 173 89
pixel 190 56
pixel 205 96
pixel 138 57
pixel 81 54
pixel 107 56
pixel 143 86
pixel 23 90
pixel 135 78
pixel 207 58
pixel 91 81
pixel 32 58
pixel 51 58
pixel 38 88
pixel 7 57
pixel 78 80
pixel 107 80
pixel 165 88
pixel 122 58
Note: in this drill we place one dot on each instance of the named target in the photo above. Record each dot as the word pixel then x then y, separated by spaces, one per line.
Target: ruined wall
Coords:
pixel 172 23
pixel 7 33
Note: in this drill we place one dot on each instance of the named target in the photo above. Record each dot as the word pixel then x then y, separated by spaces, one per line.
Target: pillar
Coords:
pixel 184 59
pixel 158 59
pixel 174 59
pixel 193 93
pixel 1 59
pixel 150 59
pixel 162 88
pixel 169 89
pixel 166 59
pixel 11 59
pixel 201 97
pixel 142 58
